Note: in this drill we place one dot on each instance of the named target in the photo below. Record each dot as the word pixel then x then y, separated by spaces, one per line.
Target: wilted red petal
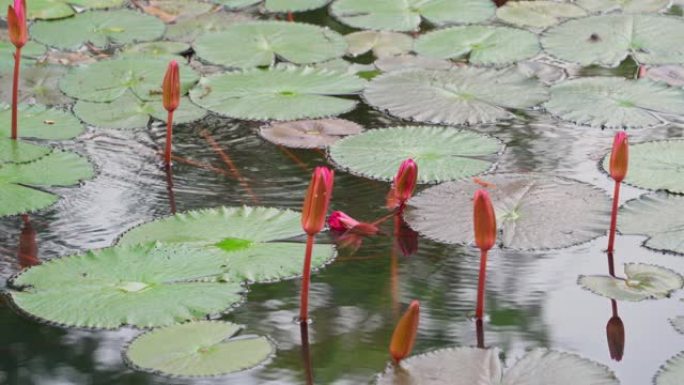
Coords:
pixel 619 157
pixel 615 331
pixel 171 88
pixel 317 200
pixel 405 180
pixel 404 335
pixel 340 221
pixel 484 220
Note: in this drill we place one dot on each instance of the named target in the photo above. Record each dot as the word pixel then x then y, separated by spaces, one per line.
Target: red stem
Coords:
pixel 306 277
pixel 481 285
pixel 169 139
pixel 613 217
pixel 15 92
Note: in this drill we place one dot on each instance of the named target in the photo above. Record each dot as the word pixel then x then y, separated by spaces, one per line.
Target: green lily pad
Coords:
pixel 481 45
pixel 99 28
pixel 258 43
pixel 108 80
pixel 442 153
pixel 197 349
pixel 406 15
pixel 248 238
pixel 139 285
pixel 277 5
pixel 642 282
pixel 187 29
pixel 625 6
pixel 659 216
pixel 523 203
pixel 17 180
pixel 538 14
pixel 464 95
pixel 42 123
pixel 167 50
pixel 171 11
pixel 58 9
pixel 405 62
pixel 319 133
pixel 38 83
pixel 381 43
pixel 18 151
pixel 277 94
pixel 30 52
pixel 608 39
pixel 672 373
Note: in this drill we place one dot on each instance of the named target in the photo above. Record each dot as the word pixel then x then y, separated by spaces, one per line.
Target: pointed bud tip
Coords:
pixel 405 181
pixel 619 157
pixel 484 220
pixel 404 335
pixel 317 200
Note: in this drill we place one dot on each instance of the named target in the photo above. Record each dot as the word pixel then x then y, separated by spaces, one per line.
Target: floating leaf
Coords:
pixel 197 349
pixel 533 211
pixel 457 96
pixel 108 80
pixel 538 14
pixel 642 282
pixel 30 52
pixel 172 10
pixel 442 153
pixel 38 84
pixel 277 5
pixel 99 28
pixel 678 324
pixel 257 43
pixel 626 6
pixel 480 45
pixel 382 43
pixel 659 216
pixel 672 373
pixel 277 94
pixel 614 102
pixel 167 50
pixel 245 236
pixel 309 133
pixel 41 123
pixel 404 62
pixel 607 40
pixel 673 75
pixel 58 9
pixel 406 15
pixel 18 151
pixel 188 29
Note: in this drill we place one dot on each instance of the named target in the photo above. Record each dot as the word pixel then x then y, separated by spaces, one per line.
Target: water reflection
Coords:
pixel 306 353
pixel 615 333
pixel 27 253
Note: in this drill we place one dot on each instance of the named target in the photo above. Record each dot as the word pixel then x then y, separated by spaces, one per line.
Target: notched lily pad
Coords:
pixel 381 43
pixel 197 349
pixel 41 123
pixel 658 216
pixel 58 9
pixel 642 282
pixel 672 373
pixel 319 133
pixel 538 14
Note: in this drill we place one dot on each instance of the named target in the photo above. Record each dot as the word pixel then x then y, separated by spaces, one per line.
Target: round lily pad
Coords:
pixel 523 203
pixel 38 83
pixel 406 15
pixel 659 216
pixel 42 123
pixel 538 14
pixel 607 40
pixel 58 9
pixel 614 102
pixel 672 373
pixel 258 43
pixel 318 133
pixel 442 153
pixel 457 96
pixel 625 6
pixel 381 43
pixel 277 5
pixel 166 50
pixel 251 240
pixel 642 282
pixel 197 349
pixel 285 93
pixel 480 45
pixel 99 28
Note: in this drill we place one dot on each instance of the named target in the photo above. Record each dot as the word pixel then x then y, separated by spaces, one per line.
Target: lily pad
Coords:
pixel 18 151
pixel 538 14
pixel 318 133
pixel 608 39
pixel 17 180
pixel 659 216
pixel 139 285
pixel 167 50
pixel 678 324
pixel 249 239
pixel 58 9
pixel 672 75
pixel 457 96
pixel 625 6
pixel 38 83
pixel 467 366
pixel 108 80
pixel 672 373
pixel 277 94
pixel 40 122
pixel 406 15
pixel 258 43
pixel 442 153
pixel 614 102
pixel 523 203
pixel 642 282
pixel 197 349
pixel 405 62
pixel 171 11
pixel 277 5
pixel 480 45
pixel 187 29
pixel 381 43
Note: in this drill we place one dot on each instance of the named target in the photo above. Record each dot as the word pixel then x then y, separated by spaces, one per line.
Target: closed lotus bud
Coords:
pixel 317 200
pixel 405 180
pixel 16 23
pixel 171 88
pixel 484 220
pixel 615 331
pixel 619 157
pixel 404 335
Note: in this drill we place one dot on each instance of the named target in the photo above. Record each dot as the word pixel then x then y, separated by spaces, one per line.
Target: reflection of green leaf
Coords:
pixel 642 282
pixel 58 9
pixel 41 123
pixel 672 373
pixel 202 348
pixel 537 14
pixel 659 216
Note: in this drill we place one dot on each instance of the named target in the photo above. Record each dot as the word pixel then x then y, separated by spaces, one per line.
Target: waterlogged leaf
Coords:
pixel 672 75
pixel 172 10
pixel 58 9
pixel 405 62
pixel 277 5
pixel 533 211
pixel 538 14
pixel 382 43
pixel 463 95
pixel 607 40
pixel 38 84
pixel 285 93
pixel 99 28
pixel 625 6
pixel 108 80
pixel 406 15
pixel 318 133
pixel 167 50
pixel 442 153
pixel 672 373
pixel 189 28
pixel 41 123
pixel 642 282
pixel 197 349
pixel 258 43
pixel 614 102
pixel 659 216
pixel 139 285
pixel 547 73
pixel 18 151
pixel 30 52
pixel 480 45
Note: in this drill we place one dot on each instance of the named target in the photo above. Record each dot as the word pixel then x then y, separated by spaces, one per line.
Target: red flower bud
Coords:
pixel 404 335
pixel 16 23
pixel 484 220
pixel 619 157
pixel 171 87
pixel 615 331
pixel 405 180
pixel 339 221
pixel 317 200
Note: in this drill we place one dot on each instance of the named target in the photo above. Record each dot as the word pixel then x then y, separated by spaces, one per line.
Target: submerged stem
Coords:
pixel 481 285
pixel 15 92
pixel 306 277
pixel 169 139
pixel 613 217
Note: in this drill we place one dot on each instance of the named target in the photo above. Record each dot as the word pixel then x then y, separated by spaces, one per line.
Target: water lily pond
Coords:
pixel 116 269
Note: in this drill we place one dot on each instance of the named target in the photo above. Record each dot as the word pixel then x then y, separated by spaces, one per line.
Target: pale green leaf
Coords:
pixel 167 50
pixel 57 9
pixel 18 151
pixel 672 373
pixel 641 282
pixel 41 123
pixel 659 216
pixel 318 133
pixel 538 14
pixel 626 6
pixel 381 43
